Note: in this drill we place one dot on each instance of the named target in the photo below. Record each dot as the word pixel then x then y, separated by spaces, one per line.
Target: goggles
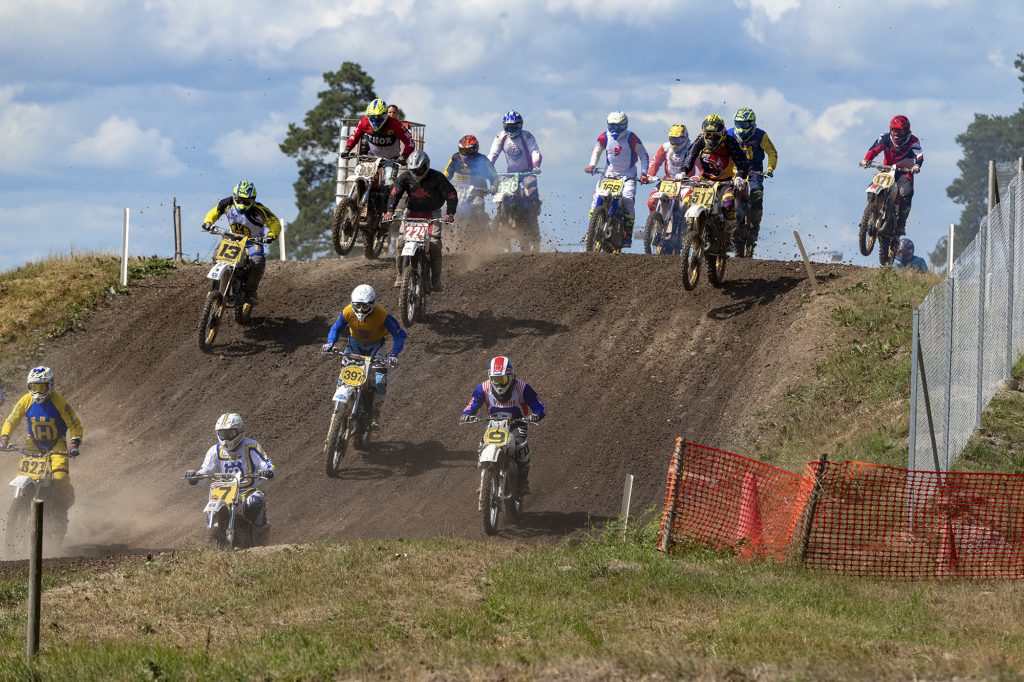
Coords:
pixel 363 308
pixel 745 125
pixel 512 128
pixel 244 201
pixel 677 141
pixel 501 381
pixel 616 127
pixel 227 435
pixel 38 387
pixel 377 121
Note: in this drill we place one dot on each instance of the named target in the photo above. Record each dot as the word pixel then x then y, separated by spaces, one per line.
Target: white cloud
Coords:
pixel 772 10
pixel 256 150
pixel 26 130
pixel 121 143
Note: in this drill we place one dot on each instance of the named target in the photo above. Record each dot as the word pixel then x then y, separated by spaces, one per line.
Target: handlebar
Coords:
pixel 367 157
pixel 473 419
pixel 235 236
pixel 33 454
pixel 246 480
pixel 883 167
pixel 356 357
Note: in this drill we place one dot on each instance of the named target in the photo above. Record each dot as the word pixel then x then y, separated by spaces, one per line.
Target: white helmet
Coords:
pixel 40 383
pixel 230 430
pixel 364 299
pixel 617 123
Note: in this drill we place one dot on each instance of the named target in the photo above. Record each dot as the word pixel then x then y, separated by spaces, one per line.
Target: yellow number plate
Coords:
pixel 613 186
pixel 223 492
pixel 460 179
pixel 496 436
pixel 703 196
pixel 34 467
pixel 230 251
pixel 883 179
pixel 669 188
pixel 353 375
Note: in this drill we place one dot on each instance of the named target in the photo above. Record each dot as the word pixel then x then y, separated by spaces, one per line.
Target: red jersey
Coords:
pixel 391 140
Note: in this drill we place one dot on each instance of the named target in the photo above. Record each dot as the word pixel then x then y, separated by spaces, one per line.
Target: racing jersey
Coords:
pixel 521 151
pixel 755 148
pixel 521 401
pixel 47 422
pixel 622 155
pixel 914 263
pixel 367 336
pixel 475 167
pixel 426 195
pixel 668 159
pixel 393 138
pixel 255 221
pixel 720 163
pixel 893 155
pixel 249 458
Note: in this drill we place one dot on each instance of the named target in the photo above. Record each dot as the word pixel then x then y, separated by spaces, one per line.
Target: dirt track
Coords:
pixel 623 358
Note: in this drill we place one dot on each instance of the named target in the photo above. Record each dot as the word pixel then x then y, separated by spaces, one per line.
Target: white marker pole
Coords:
pixel 949 250
pixel 627 502
pixel 280 242
pixel 124 252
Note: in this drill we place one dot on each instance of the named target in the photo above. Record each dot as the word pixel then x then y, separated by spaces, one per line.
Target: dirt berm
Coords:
pixel 622 357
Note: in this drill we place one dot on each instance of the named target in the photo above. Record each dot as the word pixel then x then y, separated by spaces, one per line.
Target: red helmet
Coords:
pixel 501 376
pixel 469 145
pixel 899 129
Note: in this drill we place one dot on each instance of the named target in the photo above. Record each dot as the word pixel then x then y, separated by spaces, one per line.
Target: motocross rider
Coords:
pixel 905 258
pixel 477 170
pixel 623 150
pixel 385 134
pixel 368 324
pixel 507 395
pixel 899 147
pixel 521 154
pixel 50 419
pixel 669 158
pixel 249 217
pixel 233 452
pixel 720 159
pixel 426 190
pixel 755 144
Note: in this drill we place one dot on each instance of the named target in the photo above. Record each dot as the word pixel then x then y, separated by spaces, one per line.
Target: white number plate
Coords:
pixel 417 230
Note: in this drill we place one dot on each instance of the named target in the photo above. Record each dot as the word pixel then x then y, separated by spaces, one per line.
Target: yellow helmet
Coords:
pixel 377 113
pixel 678 136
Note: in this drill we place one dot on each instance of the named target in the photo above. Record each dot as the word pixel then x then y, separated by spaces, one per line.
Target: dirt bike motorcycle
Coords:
pixel 412 298
pixel 663 234
pixel 742 240
pixel 228 283
pixel 471 219
pixel 361 210
pixel 515 218
pixel 879 219
pixel 352 418
pixel 706 239
pixel 607 225
pixel 499 472
pixel 226 525
pixel 35 482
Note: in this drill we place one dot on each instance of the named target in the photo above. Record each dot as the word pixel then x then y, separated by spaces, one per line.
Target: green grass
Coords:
pixel 864 376
pixel 594 609
pixel 999 444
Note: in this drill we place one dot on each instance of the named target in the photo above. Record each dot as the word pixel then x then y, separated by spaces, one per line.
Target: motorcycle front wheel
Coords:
pixel 716 268
pixel 691 260
pixel 654 231
pixel 491 506
pixel 336 444
pixel 422 286
pixel 345 226
pixel 593 229
pixel 407 297
pixel 212 311
pixel 866 237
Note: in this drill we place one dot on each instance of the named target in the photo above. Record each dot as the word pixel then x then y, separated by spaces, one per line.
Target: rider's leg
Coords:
pixel 380 392
pixel 254 508
pixel 756 209
pixel 398 260
pixel 629 210
pixel 522 459
pixel 435 265
pixel 729 211
pixel 257 264
pixel 905 186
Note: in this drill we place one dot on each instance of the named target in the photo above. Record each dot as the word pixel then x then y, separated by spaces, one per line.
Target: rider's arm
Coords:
pixel 336 329
pixel 217 211
pixel 738 156
pixel 449 172
pixel 643 160
pixel 210 461
pixel 70 417
pixel 915 149
pixel 657 161
pixel 397 333
pixel 492 155
pixel 691 155
pixel 357 134
pixel 451 198
pixel 770 152
pixel 398 191
pixel 404 136
pixel 530 396
pixel 16 415
pixel 272 222
pixel 476 401
pixel 258 459
pixel 531 146
pixel 599 146
pixel 492 174
pixel 877 148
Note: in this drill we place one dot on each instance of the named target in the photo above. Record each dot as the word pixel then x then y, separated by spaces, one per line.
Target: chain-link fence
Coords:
pixel 969 330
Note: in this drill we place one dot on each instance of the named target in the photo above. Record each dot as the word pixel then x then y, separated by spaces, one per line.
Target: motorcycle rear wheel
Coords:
pixel 212 311
pixel 345 226
pixel 374 242
pixel 691 260
pixel 491 501
pixel 407 297
pixel 654 232
pixel 887 247
pixel 336 444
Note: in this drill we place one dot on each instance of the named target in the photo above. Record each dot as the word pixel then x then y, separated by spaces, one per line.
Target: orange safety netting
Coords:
pixel 863 519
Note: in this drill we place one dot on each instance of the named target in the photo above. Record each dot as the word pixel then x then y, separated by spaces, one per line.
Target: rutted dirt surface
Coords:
pixel 622 357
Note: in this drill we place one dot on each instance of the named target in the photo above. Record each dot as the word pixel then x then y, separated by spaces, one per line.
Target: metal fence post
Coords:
pixel 982 291
pixel 1011 268
pixel 914 351
pixel 950 294
pixel 35 579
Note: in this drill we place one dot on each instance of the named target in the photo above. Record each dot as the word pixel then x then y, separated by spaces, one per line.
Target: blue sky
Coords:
pixel 119 103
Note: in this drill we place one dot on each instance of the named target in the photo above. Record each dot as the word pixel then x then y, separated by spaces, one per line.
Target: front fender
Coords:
pixel 694 212
pixel 488 455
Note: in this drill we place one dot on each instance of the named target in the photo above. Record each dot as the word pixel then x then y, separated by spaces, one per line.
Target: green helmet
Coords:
pixel 244 195
pixel 746 123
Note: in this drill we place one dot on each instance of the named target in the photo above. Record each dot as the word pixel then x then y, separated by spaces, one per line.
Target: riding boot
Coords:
pixel 524 479
pixel 435 266
pixel 627 232
pixel 252 283
pixel 730 230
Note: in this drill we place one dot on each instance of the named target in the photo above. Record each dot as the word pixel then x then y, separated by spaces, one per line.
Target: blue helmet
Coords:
pixel 906 250
pixel 512 122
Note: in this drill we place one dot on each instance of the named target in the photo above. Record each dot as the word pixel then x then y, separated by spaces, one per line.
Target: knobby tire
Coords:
pixel 691 260
pixel 345 226
pixel 491 501
pixel 336 443
pixel 212 311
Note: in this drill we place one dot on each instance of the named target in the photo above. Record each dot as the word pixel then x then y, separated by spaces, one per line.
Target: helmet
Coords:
pixel 244 195
pixel 469 145
pixel 40 383
pixel 364 299
pixel 906 250
pixel 679 136
pixel 512 122
pixel 899 130
pixel 418 164
pixel 377 113
pixel 617 123
pixel 713 131
pixel 746 123
pixel 501 376
pixel 230 430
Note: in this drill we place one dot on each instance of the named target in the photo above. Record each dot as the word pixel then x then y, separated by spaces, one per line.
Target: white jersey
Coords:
pixel 521 151
pixel 248 458
pixel 622 154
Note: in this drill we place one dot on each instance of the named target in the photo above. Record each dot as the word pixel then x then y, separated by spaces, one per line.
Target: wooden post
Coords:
pixel 675 474
pixel 812 507
pixel 35 578
pixel 627 502
pixel 176 215
pixel 807 263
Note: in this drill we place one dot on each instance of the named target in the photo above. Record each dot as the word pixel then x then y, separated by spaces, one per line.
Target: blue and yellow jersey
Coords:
pixel 47 422
pixel 255 221
pixel 755 148
pixel 369 332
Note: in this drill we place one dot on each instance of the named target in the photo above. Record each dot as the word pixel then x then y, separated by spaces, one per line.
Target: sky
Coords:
pixel 114 104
